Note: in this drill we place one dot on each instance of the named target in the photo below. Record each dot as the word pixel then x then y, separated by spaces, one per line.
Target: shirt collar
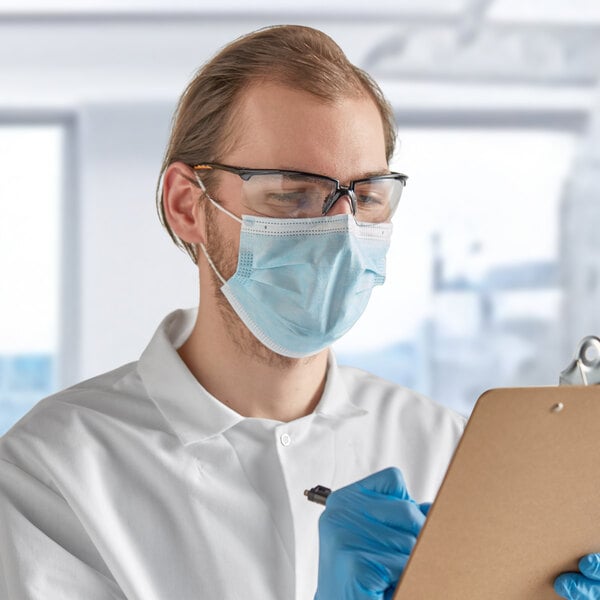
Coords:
pixel 193 413
pixel 190 410
pixel 336 402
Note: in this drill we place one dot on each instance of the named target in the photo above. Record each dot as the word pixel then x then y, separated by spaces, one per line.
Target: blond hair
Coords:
pixel 299 57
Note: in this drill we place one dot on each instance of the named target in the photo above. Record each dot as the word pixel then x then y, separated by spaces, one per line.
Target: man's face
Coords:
pixel 281 128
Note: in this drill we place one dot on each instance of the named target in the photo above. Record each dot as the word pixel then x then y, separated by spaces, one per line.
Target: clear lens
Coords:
pixel 377 199
pixel 286 196
pixel 296 195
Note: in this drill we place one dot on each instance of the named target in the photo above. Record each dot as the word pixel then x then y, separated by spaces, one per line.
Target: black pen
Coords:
pixel 318 494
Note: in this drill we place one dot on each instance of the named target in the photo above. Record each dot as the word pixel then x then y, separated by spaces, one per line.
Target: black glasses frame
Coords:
pixel 340 190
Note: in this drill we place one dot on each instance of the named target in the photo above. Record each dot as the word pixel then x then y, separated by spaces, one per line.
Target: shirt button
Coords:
pixel 285 439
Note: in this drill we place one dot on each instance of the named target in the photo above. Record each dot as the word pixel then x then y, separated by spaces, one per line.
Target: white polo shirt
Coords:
pixel 139 484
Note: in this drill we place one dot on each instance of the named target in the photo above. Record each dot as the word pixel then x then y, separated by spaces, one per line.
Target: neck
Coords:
pixel 252 381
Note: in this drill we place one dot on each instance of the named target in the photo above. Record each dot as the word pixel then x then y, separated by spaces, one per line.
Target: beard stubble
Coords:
pixel 223 255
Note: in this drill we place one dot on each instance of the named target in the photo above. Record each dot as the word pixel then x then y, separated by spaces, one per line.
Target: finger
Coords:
pixel 388 481
pixel 353 508
pixel 590 566
pixel 425 507
pixel 562 585
pixel 389 593
pixel 575 586
pixel 377 538
pixel 378 573
pixel 400 515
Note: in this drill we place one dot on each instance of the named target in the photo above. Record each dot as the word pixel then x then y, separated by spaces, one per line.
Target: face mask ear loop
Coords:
pixel 215 204
pixel 212 264
pixel 202 246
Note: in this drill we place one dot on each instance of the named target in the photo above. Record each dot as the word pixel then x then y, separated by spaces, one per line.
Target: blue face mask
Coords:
pixel 300 284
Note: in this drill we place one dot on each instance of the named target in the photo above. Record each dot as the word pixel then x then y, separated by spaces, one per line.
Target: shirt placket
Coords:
pixel 305 449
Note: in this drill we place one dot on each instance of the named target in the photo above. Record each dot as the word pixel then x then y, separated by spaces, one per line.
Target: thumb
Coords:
pixel 388 481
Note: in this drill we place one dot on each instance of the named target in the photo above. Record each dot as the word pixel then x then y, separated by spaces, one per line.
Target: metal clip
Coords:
pixel 584 369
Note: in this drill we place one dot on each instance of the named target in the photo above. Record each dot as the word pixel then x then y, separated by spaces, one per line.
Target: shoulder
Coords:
pixel 65 426
pixel 400 427
pixel 103 395
pixel 386 398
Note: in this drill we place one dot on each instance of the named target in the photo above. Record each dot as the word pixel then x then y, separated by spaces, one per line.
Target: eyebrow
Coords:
pixel 374 173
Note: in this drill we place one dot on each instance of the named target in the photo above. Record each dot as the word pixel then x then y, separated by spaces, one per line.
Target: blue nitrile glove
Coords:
pixel 366 534
pixel 584 585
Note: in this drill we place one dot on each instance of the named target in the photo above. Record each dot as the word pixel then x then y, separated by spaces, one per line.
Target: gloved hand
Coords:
pixel 366 534
pixel 584 585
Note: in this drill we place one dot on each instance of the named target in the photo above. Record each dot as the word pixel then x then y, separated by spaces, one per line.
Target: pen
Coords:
pixel 317 494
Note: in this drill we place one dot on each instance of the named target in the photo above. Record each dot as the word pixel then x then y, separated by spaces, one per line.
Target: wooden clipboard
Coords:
pixel 520 502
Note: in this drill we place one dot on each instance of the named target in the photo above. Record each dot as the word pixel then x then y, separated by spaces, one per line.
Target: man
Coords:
pixel 182 475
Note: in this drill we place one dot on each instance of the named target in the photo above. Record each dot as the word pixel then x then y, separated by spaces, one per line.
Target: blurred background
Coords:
pixel 494 273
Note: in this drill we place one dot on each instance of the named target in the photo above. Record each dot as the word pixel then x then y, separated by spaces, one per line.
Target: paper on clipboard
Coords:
pixel 520 502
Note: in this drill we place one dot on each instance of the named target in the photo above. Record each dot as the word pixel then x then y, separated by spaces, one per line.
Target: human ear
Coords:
pixel 180 200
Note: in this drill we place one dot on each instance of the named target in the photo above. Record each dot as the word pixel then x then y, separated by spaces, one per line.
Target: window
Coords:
pixel 472 298
pixel 30 210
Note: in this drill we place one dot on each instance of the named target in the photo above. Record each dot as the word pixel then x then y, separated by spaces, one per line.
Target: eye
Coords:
pixel 295 196
pixel 370 199
pixel 372 194
pixel 286 194
pixel 296 189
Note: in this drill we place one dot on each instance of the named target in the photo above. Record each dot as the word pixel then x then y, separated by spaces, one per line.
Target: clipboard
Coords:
pixel 520 502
